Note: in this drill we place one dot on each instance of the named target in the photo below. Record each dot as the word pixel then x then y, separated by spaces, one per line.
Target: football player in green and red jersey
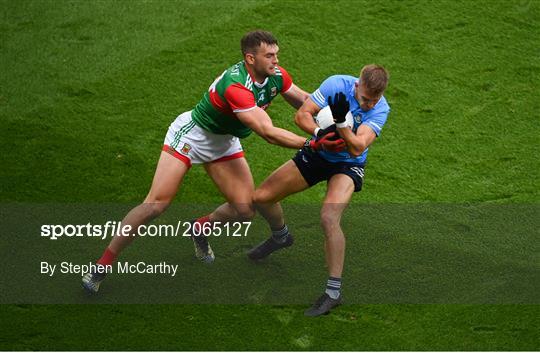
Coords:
pixel 210 134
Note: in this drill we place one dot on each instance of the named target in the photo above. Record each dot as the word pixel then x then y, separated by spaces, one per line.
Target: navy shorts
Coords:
pixel 315 169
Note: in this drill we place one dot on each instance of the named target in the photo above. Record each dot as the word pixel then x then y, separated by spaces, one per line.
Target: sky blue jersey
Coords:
pixel 374 118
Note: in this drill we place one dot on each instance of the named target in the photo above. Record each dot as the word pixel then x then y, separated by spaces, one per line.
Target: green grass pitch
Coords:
pixel 90 87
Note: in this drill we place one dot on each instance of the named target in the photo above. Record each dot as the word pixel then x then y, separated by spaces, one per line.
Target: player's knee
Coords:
pixel 154 207
pixel 329 222
pixel 262 196
pixel 245 212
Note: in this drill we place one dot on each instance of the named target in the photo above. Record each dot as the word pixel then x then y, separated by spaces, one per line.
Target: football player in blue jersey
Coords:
pixel 343 170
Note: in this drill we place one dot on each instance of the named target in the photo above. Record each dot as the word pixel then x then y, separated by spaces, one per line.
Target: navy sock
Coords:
pixel 280 235
pixel 333 287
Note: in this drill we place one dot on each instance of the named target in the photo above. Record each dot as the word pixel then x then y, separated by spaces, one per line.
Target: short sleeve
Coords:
pixel 328 88
pixel 287 79
pixel 239 98
pixel 377 121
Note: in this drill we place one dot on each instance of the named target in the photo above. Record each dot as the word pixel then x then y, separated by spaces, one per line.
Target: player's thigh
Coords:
pixel 284 181
pixel 169 174
pixel 340 189
pixel 233 178
pixel 338 194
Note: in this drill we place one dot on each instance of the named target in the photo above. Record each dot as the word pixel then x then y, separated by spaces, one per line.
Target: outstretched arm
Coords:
pixel 259 121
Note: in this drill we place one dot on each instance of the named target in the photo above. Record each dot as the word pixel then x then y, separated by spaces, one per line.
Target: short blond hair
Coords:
pixel 375 78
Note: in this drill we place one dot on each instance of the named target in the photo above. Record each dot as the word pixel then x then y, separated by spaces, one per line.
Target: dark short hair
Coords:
pixel 253 40
pixel 375 78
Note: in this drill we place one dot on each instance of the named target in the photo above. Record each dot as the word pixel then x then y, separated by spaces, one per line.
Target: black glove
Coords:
pixel 323 132
pixel 339 107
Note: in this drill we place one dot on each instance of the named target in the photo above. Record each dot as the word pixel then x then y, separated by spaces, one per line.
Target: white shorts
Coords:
pixel 193 145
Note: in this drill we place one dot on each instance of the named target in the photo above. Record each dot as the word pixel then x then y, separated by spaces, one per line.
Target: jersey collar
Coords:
pixel 260 85
pixel 257 84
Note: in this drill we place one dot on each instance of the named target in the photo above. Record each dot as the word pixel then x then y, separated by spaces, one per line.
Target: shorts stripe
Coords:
pixel 184 130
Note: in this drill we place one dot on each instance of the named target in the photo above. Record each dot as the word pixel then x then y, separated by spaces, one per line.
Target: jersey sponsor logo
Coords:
pixel 273 92
pixel 185 149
